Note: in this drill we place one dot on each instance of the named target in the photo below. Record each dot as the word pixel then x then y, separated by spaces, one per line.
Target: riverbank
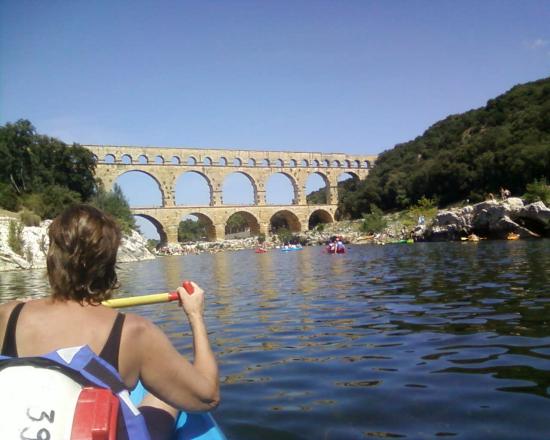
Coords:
pixel 25 247
pixel 348 230
pixel 492 219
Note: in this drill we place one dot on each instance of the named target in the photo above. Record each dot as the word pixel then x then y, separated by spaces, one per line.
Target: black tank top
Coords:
pixel 109 352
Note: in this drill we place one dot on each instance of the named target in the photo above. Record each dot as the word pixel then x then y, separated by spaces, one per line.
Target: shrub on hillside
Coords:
pixel 374 221
pixel 29 218
pixel 425 208
pixel 538 190
pixel 15 242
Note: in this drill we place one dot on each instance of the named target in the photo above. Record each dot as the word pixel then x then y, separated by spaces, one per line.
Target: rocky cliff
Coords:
pixel 33 242
pixel 489 219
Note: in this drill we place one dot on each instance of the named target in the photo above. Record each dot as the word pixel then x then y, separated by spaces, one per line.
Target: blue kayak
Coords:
pixel 188 426
pixel 291 249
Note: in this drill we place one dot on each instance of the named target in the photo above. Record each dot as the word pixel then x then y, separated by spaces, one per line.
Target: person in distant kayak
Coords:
pixel 340 248
pixel 81 270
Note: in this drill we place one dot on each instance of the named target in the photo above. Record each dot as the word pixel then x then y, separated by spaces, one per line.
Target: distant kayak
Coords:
pixel 472 237
pixel 260 251
pixel 291 249
pixel 188 426
pixel 512 236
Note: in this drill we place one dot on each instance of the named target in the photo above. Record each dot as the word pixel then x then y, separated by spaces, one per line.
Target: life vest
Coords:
pixel 40 394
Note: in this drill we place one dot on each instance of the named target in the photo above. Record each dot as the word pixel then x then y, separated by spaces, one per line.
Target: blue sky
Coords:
pixel 345 76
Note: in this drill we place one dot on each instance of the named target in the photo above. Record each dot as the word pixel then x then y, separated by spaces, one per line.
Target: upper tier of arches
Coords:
pixel 228 158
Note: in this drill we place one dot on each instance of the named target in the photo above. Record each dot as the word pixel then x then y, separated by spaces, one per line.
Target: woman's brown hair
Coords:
pixel 82 255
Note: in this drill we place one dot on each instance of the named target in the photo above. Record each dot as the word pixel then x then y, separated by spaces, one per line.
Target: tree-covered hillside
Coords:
pixel 42 173
pixel 40 176
pixel 466 156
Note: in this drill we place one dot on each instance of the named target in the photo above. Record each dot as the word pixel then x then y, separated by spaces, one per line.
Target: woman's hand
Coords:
pixel 192 304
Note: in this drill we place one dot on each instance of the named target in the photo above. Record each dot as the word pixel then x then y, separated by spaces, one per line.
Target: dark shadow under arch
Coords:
pixel 209 228
pixel 250 220
pixel 319 216
pixel 284 219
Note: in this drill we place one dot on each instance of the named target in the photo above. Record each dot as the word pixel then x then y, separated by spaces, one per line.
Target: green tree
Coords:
pixel 8 197
pixel 50 201
pixel 191 230
pixel 44 167
pixel 537 191
pixel 285 236
pixel 236 223
pixel 318 197
pixel 115 203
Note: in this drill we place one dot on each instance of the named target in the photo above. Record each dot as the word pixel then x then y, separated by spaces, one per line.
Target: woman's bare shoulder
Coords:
pixel 136 325
pixel 6 308
pixel 144 332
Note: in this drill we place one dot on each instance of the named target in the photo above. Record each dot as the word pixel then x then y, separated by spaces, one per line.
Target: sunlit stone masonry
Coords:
pixel 166 165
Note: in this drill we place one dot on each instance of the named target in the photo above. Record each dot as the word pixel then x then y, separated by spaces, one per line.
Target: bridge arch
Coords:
pixel 317 182
pixel 210 228
pixel 125 174
pixel 161 229
pixel 274 182
pixel 345 175
pixel 232 179
pixel 197 189
pixel 319 216
pixel 251 220
pixel 285 219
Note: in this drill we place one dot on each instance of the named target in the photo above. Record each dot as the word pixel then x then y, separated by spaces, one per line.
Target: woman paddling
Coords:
pixel 81 270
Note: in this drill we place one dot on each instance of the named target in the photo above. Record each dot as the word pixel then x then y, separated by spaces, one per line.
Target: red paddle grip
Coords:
pixel 188 287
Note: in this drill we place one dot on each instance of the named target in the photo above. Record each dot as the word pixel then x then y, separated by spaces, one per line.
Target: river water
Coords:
pixel 423 341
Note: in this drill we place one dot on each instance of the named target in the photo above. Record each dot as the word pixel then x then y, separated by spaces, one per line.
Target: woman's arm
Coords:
pixel 167 374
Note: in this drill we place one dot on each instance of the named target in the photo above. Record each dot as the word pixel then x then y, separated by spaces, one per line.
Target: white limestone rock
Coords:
pixel 35 243
pixel 496 218
pixel 536 211
pixel 133 247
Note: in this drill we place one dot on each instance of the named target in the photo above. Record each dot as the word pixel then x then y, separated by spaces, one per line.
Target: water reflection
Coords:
pixel 412 341
pixel 18 284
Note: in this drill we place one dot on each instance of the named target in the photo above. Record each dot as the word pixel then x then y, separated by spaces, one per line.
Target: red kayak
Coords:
pixel 330 250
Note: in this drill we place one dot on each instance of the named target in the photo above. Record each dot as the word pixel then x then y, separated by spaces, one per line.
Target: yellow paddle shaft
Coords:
pixel 132 301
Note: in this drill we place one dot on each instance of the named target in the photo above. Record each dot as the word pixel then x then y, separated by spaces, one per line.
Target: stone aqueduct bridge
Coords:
pixel 165 165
